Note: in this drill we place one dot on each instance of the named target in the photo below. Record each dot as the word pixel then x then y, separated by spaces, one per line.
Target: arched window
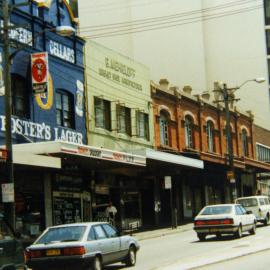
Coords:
pixel 20 96
pixel 245 142
pixel 210 136
pixel 64 109
pixel 189 131
pixel 164 128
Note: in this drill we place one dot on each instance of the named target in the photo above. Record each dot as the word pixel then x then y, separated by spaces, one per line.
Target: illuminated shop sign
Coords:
pixel 41 131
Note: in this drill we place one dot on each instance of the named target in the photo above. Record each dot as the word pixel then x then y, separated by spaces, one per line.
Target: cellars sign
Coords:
pixel 41 131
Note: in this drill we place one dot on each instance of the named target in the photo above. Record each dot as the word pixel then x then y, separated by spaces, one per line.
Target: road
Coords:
pixel 258 261
pixel 184 251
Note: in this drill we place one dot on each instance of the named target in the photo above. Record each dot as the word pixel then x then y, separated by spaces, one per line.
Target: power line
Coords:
pixel 193 20
pixel 172 16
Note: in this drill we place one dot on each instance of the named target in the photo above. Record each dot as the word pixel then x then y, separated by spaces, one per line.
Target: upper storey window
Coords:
pixel 267 11
pixel 164 128
pixel 102 113
pixel 244 142
pixel 20 97
pixel 210 136
pixel 189 131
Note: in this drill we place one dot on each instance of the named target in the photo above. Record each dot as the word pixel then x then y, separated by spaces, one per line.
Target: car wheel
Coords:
pixel 131 257
pixel 253 229
pixel 266 220
pixel 201 236
pixel 97 264
pixel 238 233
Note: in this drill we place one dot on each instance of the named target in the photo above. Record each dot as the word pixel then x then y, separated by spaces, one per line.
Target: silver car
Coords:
pixel 81 246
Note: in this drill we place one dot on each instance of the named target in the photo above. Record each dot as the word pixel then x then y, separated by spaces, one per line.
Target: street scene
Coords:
pixel 134 134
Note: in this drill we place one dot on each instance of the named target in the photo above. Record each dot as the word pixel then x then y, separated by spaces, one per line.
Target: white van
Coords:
pixel 259 205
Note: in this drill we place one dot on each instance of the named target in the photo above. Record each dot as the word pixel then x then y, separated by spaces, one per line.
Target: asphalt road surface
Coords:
pixel 257 261
pixel 181 250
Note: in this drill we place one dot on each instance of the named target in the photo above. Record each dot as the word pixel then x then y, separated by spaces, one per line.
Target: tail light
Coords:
pixel 30 254
pixel 27 256
pixel 71 251
pixel 226 221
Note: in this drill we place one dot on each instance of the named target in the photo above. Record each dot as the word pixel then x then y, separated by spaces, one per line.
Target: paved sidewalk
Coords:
pixel 162 232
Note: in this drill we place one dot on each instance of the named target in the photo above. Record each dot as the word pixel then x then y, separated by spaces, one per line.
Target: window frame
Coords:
pixel 189 132
pixel 22 95
pixel 245 144
pixel 106 113
pixel 164 128
pixel 144 123
pixel 65 94
pixel 124 117
pixel 210 134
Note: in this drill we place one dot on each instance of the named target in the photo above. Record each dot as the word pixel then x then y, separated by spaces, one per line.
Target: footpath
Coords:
pixel 235 249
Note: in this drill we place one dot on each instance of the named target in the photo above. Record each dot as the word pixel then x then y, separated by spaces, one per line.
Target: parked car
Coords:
pixel 11 248
pixel 224 219
pixel 81 246
pixel 259 205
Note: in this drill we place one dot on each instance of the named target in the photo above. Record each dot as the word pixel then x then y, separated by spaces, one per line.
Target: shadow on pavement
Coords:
pixel 115 267
pixel 222 238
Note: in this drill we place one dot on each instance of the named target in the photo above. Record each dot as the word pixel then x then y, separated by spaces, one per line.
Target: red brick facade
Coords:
pixel 178 105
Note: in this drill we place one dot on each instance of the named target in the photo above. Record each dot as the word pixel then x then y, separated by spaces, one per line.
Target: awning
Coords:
pixel 171 158
pixel 56 148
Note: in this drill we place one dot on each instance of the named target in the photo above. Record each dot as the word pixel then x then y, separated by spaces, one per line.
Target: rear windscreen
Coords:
pixel 248 202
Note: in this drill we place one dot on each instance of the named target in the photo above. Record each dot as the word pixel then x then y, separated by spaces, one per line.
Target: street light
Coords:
pixel 61 30
pixel 224 94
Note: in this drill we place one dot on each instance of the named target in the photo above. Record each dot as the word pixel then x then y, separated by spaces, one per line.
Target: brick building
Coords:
pixel 192 126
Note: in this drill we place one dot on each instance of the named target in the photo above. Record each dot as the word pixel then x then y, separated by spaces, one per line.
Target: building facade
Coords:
pixel 193 126
pixel 56 115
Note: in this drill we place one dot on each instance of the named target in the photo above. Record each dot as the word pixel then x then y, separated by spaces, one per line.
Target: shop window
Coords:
pixel 189 126
pixel 64 109
pixel 124 120
pixel 244 142
pixel 20 98
pixel 210 136
pixel 143 125
pixel 164 128
pixel 102 113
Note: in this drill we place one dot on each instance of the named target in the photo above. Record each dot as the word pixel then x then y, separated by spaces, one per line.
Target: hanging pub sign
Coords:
pixel 39 70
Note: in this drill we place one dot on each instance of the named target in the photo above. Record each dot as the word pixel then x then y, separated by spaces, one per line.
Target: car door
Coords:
pixel 249 218
pixel 241 215
pixel 103 243
pixel 115 243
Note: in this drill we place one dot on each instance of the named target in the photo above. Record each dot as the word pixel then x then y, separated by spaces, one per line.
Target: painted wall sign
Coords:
pixel 39 69
pixel 101 153
pixel 61 51
pixel 120 73
pixel 41 131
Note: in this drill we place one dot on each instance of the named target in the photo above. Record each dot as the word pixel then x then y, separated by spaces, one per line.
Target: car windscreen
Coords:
pixel 216 210
pixel 62 234
pixel 249 202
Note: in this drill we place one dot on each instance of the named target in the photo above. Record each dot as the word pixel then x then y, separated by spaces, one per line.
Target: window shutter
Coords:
pixel 118 126
pixel 128 121
pixel 137 123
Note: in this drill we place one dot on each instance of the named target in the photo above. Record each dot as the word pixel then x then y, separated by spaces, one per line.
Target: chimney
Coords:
pixel 164 83
pixel 187 89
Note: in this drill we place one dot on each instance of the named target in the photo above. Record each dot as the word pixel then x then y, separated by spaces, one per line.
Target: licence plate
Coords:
pixel 53 252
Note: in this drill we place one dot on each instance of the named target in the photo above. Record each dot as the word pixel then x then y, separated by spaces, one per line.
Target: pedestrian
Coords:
pixel 110 213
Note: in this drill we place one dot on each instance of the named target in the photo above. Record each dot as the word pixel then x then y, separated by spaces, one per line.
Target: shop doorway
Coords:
pixel 148 214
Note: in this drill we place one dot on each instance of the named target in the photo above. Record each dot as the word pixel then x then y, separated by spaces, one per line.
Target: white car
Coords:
pixel 224 219
pixel 259 205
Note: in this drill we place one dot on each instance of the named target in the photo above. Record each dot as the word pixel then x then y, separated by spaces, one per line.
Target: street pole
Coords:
pixel 9 208
pixel 226 98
